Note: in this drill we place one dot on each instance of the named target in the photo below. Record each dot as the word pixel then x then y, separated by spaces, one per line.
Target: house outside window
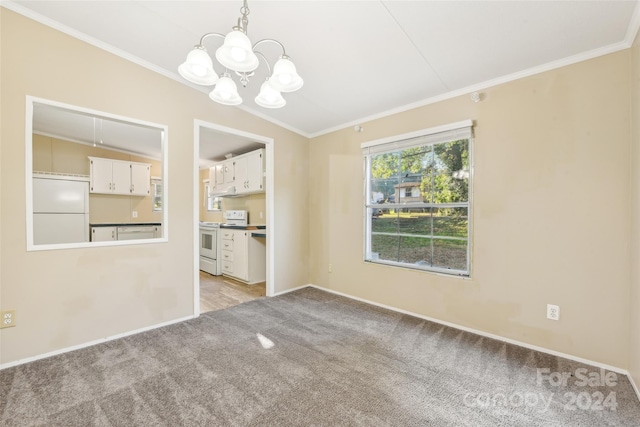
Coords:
pixel 418 208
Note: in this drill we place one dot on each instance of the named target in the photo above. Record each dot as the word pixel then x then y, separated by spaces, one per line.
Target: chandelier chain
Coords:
pixel 244 10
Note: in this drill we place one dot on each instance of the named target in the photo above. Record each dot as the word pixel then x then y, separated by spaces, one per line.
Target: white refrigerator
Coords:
pixel 60 210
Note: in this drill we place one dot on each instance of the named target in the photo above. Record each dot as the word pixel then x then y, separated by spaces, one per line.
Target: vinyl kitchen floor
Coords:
pixel 218 292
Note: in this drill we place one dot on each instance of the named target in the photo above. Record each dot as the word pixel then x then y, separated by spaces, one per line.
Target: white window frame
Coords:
pixel 430 136
pixel 156 186
pixel 210 202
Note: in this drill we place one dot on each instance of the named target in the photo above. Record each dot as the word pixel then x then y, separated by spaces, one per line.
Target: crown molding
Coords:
pixel 8 4
pixel 627 42
pixel 584 56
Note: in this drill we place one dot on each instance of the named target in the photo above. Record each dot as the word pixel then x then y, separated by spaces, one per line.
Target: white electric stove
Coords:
pixel 210 260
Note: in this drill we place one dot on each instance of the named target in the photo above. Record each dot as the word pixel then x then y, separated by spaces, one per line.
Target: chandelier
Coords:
pixel 238 55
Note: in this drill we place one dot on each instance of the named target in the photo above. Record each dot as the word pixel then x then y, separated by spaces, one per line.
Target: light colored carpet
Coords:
pixel 335 362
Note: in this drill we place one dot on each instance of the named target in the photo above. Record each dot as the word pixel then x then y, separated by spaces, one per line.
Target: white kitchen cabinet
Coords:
pixel 109 176
pixel 140 179
pixel 101 175
pixel 241 175
pixel 125 232
pixel 229 172
pixel 243 257
pixel 221 178
pixel 121 177
pixel 250 173
pixel 103 234
pixel 216 178
pixel 219 173
pixel 136 232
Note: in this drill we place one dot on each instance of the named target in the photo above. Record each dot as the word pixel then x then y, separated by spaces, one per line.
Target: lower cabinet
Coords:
pixel 103 234
pixel 243 257
pixel 125 232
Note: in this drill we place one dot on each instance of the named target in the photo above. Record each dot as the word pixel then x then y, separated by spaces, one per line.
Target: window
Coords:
pixel 156 186
pixel 417 200
pixel 212 203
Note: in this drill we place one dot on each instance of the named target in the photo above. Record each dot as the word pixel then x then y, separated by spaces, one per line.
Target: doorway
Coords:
pixel 214 144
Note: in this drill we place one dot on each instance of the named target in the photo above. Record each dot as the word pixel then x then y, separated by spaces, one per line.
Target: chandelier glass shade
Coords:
pixel 239 55
pixel 226 91
pixel 198 68
pixel 269 97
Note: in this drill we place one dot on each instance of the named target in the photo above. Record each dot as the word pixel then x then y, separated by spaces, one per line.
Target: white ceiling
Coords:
pixel 359 59
pixel 120 134
pixel 92 129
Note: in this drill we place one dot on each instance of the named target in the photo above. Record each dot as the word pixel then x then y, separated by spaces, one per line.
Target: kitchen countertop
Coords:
pixel 244 227
pixel 127 224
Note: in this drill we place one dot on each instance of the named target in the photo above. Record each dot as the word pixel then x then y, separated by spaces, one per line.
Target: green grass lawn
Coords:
pixel 427 250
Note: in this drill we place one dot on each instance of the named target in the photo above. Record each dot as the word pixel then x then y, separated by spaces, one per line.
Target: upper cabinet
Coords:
pixel 119 177
pixel 241 175
pixel 250 173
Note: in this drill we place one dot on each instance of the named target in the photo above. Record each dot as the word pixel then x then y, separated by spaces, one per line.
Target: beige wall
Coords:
pixel 60 156
pixel 551 217
pixel 68 297
pixel 634 337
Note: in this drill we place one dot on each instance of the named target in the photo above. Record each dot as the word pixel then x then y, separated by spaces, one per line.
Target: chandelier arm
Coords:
pixel 265 60
pixel 208 35
pixel 284 53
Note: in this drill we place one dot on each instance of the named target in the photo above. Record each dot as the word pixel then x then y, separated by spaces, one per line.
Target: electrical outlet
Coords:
pixel 260 215
pixel 134 214
pixel 8 318
pixel 553 312
pixel 330 268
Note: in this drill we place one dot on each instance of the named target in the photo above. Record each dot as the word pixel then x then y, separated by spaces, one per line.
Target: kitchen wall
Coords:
pixel 634 300
pixel 254 204
pixel 71 297
pixel 551 213
pixel 57 155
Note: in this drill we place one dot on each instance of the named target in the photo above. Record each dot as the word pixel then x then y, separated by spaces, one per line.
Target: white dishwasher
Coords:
pixel 137 232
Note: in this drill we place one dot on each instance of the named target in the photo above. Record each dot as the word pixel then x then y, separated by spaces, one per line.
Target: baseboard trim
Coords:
pixel 486 334
pixel 286 291
pixel 90 343
pixel 634 385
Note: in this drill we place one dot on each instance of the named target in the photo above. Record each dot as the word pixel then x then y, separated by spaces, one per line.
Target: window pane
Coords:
pixel 413 164
pixel 415 221
pixel 415 250
pixel 384 221
pixel 385 174
pixel 446 189
pixel 382 190
pixel 409 192
pixel 450 254
pixel 451 222
pixel 385 247
pixel 451 157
